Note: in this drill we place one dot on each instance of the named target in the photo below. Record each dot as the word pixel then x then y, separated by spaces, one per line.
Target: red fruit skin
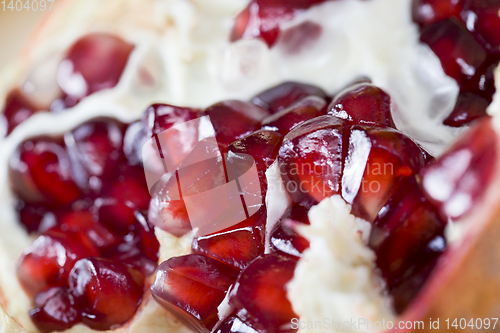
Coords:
pixel 468 108
pixel 48 260
pixel 461 55
pixel 94 62
pixel 236 246
pixel 427 12
pixel 191 287
pixel 388 156
pixel 15 110
pixel 363 104
pixel 40 173
pixel 95 149
pixel 457 180
pixel 285 94
pixel 108 292
pixel 261 18
pixel 160 117
pixel 285 120
pixel 484 19
pixel 284 239
pixel 311 159
pixel 58 313
pixel 402 231
pixel 244 118
pixel 260 295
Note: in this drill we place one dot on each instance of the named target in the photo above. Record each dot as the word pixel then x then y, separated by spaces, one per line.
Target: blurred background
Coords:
pixel 15 28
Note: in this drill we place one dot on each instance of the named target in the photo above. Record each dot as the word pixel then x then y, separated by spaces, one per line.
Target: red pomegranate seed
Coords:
pixel 260 291
pixel 483 17
pixel 96 149
pixel 133 142
pixel 94 62
pixel 108 292
pixel 285 94
pixel 261 18
pixel 236 246
pixel 41 172
pixel 284 239
pixel 414 279
pixel 455 181
pixel 160 117
pixel 311 159
pixel 298 38
pixel 15 110
pixel 191 287
pixel 285 120
pixel 427 12
pixel 58 313
pixel 263 147
pixel 468 108
pixel 460 53
pixel 34 216
pixel 378 160
pixel 244 118
pixel 139 247
pixel 404 228
pixel 86 223
pixel 48 260
pixel 363 104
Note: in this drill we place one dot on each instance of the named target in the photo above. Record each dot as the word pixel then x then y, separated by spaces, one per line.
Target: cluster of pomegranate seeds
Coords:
pixel 93 63
pixel 95 247
pixel 262 18
pixel 337 149
pixel 464 36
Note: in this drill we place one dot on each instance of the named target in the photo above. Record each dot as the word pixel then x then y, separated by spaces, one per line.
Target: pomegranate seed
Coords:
pixel 260 291
pixel 484 18
pixel 460 53
pixel 133 142
pixel 34 216
pixel 96 148
pixel 160 117
pixel 41 172
pixel 139 248
pixel 427 12
pixel 298 38
pixel 307 108
pixel 108 292
pixel 94 62
pixel 244 118
pixel 455 181
pixel 468 108
pixel 191 287
pixel 414 279
pixel 284 239
pixel 15 110
pixel 236 246
pixel 261 18
pixel 85 223
pixel 378 160
pixel 58 313
pixel 285 94
pixel 363 104
pixel 263 146
pixel 403 230
pixel 311 159
pixel 48 260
